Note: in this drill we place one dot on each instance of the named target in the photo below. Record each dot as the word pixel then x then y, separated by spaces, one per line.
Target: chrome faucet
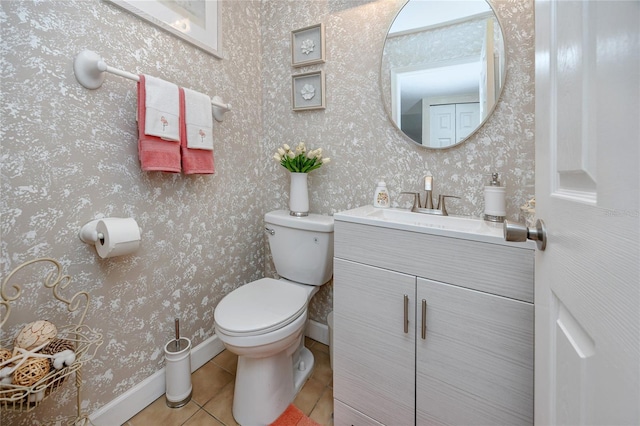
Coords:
pixel 440 210
pixel 416 200
pixel 441 207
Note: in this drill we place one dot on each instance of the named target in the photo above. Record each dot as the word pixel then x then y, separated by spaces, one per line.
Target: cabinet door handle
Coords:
pixel 424 319
pixel 406 314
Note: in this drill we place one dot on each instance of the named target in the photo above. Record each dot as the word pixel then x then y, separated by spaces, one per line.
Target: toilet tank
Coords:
pixel 301 247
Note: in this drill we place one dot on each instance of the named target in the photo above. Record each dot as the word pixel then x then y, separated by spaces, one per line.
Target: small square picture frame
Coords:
pixel 307 46
pixel 308 91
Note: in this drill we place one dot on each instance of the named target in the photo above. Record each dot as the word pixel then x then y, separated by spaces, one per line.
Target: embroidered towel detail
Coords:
pixel 154 153
pixel 199 120
pixel 162 109
pixel 194 161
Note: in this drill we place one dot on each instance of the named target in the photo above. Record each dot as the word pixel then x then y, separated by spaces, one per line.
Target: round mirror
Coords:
pixel 442 70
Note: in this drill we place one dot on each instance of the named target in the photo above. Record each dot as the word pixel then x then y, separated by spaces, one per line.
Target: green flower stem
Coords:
pixel 299 161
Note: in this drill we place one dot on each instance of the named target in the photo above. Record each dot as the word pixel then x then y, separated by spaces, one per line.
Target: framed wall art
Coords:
pixel 307 46
pixel 196 22
pixel 307 91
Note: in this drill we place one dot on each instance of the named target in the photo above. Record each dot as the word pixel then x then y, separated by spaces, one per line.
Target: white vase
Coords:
pixel 298 195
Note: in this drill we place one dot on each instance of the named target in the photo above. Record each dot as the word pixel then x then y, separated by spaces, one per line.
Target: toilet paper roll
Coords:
pixel 121 236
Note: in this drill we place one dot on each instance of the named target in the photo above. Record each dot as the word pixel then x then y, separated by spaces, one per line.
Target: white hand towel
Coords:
pixel 162 109
pixel 199 120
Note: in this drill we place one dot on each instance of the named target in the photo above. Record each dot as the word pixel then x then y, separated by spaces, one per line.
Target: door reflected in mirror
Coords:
pixel 442 69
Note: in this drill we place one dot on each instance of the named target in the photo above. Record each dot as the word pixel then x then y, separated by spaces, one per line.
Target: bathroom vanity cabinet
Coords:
pixel 431 329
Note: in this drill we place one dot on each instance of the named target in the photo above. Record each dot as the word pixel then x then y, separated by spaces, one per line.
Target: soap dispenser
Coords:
pixel 494 201
pixel 381 196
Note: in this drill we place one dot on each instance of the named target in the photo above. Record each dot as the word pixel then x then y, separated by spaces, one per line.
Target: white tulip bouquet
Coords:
pixel 300 160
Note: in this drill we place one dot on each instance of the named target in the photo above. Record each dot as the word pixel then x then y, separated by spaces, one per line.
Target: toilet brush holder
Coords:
pixel 177 355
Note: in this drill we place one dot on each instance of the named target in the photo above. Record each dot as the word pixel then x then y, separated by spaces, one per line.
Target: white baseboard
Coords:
pixel 318 332
pixel 134 400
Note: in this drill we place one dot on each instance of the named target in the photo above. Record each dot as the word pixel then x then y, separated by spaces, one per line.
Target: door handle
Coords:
pixel 406 314
pixel 424 319
pixel 518 232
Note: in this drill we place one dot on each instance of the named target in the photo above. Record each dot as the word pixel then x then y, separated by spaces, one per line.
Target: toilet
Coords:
pixel 263 322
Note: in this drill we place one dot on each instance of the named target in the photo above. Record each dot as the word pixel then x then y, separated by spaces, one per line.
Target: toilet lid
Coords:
pixel 260 307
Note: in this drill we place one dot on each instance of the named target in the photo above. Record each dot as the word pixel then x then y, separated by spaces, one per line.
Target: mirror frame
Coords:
pixel 484 120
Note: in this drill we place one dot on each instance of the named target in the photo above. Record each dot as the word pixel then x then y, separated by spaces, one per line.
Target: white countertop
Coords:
pixel 464 227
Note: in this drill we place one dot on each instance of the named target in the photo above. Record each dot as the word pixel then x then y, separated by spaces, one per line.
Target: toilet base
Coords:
pixel 302 371
pixel 265 387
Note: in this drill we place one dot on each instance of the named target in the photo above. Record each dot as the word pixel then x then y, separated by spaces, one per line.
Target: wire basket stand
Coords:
pixel 84 340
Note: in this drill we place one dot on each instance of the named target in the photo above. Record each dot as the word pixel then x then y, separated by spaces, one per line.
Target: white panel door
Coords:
pixel 442 125
pixel 587 294
pixel 467 119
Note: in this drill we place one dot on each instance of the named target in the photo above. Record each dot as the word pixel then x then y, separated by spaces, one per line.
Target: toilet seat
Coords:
pixel 260 307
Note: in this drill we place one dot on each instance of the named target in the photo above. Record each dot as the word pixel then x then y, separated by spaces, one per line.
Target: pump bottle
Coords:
pixel 381 196
pixel 494 201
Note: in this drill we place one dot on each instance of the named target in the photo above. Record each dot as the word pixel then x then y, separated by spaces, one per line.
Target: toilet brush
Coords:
pixel 177 334
pixel 178 369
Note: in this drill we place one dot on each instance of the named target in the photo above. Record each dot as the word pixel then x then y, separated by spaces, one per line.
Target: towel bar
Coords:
pixel 90 69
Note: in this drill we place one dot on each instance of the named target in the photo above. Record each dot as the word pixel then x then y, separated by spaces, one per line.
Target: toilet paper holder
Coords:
pixel 89 234
pixel 111 236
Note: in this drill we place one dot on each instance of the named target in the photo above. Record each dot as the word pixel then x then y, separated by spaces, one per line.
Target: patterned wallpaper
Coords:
pixel 69 155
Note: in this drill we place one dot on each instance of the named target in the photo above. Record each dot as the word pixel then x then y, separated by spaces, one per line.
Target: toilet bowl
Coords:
pixel 263 321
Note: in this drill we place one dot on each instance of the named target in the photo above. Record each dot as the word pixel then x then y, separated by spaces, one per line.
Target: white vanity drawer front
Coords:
pixel 343 415
pixel 493 268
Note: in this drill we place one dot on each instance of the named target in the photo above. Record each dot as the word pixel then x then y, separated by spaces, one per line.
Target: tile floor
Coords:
pixel 212 397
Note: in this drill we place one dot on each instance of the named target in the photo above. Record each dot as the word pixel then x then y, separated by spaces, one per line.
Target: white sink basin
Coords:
pixel 451 226
pixel 454 223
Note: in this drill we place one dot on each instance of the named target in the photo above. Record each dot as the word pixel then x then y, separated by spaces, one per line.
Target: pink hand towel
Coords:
pixel 194 161
pixel 155 154
pixel 199 120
